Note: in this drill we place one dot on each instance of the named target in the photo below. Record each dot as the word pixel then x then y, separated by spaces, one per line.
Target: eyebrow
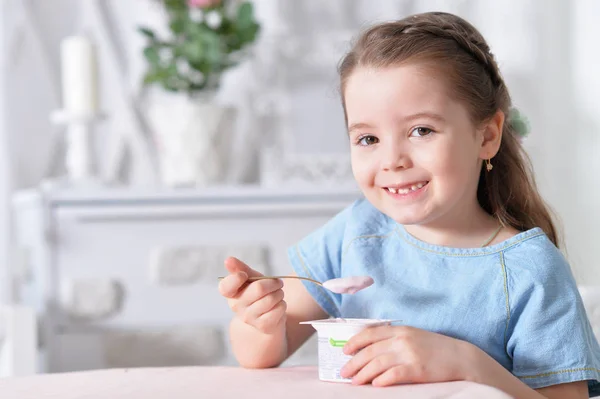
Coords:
pixel 418 115
pixel 356 126
pixel 430 115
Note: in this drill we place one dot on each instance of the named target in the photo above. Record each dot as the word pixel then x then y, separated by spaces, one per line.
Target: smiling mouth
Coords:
pixel 407 189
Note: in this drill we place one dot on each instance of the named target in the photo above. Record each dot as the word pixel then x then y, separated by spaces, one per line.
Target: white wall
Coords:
pixel 5 178
pixel 581 133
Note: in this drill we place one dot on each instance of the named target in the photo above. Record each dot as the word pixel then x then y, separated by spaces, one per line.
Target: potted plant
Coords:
pixel 206 38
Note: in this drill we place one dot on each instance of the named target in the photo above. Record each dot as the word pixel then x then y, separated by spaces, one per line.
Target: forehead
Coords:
pixel 399 90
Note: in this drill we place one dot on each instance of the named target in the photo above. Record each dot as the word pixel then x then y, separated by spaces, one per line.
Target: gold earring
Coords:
pixel 488 165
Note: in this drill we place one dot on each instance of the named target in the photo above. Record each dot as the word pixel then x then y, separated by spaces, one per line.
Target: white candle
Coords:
pixel 79 75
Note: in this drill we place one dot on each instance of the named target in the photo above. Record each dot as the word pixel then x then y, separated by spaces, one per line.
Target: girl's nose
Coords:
pixel 395 156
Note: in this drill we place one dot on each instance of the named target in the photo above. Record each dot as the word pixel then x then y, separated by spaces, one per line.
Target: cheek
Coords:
pixel 363 167
pixel 451 165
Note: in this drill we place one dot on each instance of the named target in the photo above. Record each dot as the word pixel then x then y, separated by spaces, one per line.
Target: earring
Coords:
pixel 488 165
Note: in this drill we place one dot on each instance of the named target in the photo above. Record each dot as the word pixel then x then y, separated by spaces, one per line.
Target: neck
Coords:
pixel 468 227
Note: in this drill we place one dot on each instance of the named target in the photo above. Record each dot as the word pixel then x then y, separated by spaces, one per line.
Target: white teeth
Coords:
pixel 406 190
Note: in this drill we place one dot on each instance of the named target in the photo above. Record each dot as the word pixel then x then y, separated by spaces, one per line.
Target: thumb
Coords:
pixel 235 265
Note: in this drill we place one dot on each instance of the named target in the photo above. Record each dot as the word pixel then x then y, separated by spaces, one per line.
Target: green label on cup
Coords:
pixel 337 343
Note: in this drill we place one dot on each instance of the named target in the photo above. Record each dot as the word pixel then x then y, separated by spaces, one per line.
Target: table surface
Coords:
pixel 219 382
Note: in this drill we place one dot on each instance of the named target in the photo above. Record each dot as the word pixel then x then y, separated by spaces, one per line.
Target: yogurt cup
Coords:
pixel 332 335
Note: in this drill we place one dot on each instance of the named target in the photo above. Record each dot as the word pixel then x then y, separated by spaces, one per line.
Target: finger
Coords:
pixel 401 374
pixel 230 286
pixel 253 292
pixel 364 357
pixel 264 304
pixel 235 265
pixel 367 337
pixel 259 289
pixel 270 321
pixel 378 365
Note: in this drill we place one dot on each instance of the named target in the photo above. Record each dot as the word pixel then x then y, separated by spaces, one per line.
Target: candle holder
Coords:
pixel 80 160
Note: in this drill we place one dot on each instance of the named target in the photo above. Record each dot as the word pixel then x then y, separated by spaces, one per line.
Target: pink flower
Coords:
pixel 203 3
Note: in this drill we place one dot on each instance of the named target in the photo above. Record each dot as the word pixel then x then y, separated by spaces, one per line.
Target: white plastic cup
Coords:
pixel 332 335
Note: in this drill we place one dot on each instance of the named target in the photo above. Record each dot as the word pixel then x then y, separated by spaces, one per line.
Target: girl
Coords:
pixel 452 229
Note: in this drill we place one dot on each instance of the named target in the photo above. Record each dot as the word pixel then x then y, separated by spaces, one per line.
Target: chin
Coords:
pixel 406 220
pixel 403 216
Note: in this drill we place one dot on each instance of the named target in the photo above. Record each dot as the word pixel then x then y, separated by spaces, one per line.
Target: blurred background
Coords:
pixel 142 141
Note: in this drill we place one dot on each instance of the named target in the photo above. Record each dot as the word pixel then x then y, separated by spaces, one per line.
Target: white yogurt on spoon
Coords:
pixel 348 285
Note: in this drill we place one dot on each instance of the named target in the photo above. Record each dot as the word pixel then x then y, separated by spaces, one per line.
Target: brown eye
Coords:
pixel 368 140
pixel 420 132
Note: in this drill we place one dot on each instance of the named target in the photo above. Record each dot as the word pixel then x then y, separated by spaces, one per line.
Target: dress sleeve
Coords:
pixel 549 336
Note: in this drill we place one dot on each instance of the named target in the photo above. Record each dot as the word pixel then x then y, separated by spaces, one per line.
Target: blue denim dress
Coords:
pixel 516 300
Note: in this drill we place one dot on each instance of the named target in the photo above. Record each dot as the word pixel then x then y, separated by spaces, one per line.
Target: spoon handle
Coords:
pixel 277 277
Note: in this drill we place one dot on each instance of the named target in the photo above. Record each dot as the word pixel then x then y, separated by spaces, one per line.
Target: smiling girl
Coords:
pixel 452 229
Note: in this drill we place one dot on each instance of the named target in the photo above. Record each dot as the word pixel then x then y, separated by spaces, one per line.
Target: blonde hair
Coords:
pixel 451 45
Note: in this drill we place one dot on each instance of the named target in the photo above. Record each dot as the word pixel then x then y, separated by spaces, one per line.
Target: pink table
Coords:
pixel 219 382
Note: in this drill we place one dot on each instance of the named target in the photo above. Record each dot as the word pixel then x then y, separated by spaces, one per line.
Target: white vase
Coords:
pixel 193 137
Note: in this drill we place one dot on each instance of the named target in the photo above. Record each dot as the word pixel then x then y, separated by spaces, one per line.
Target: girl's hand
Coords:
pixel 389 355
pixel 259 303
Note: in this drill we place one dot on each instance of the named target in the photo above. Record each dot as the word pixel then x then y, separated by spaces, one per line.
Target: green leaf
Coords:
pixel 233 43
pixel 177 26
pixel 147 32
pixel 201 67
pixel 171 80
pixel 153 76
pixel 196 86
pixel 193 51
pixel 245 15
pixel 178 51
pixel 175 5
pixel 151 54
pixel 195 30
pixel 168 86
pixel 200 32
pixel 213 49
pixel 172 69
pixel 248 35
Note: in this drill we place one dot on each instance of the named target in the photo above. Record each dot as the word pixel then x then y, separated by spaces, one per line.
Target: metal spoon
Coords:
pixel 342 285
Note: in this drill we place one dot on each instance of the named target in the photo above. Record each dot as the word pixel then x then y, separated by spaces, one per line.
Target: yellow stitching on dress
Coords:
pixel 309 274
pixel 474 254
pixel 559 372
pixel 503 266
pixel 366 236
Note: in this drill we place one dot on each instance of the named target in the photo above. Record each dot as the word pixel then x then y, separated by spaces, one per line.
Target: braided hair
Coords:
pixel 455 49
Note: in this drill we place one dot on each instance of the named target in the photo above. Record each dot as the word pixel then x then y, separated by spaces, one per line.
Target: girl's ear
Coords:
pixel 492 136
